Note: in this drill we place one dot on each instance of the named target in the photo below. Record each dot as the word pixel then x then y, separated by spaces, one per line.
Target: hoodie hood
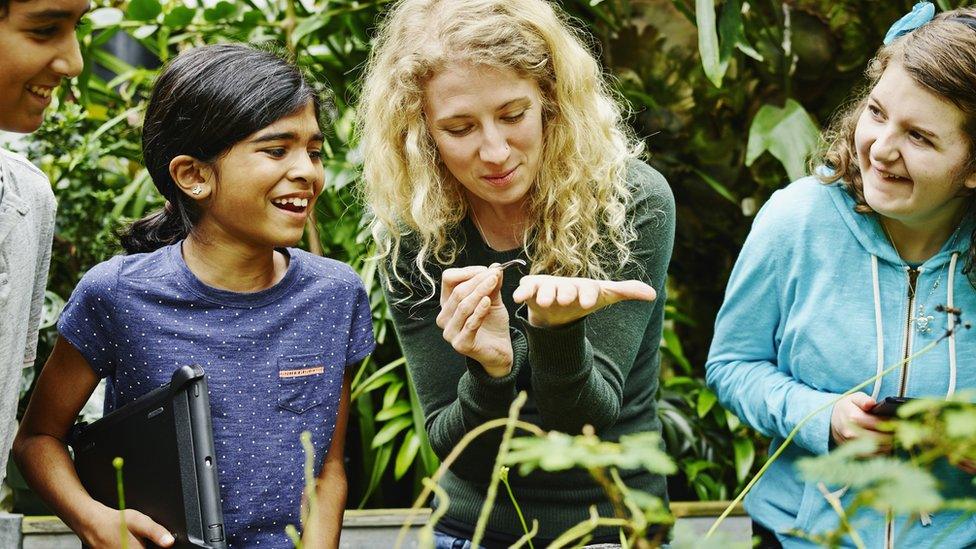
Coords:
pixel 867 229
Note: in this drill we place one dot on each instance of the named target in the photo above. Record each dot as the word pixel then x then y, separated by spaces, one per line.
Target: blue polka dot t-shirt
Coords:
pixel 274 361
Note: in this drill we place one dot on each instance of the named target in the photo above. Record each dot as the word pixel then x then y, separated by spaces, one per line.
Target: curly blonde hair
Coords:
pixel 577 204
pixel 939 56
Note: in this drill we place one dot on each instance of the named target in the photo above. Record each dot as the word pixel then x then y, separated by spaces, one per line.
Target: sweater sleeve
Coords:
pixel 455 393
pixel 579 370
pixel 743 366
pixel 45 207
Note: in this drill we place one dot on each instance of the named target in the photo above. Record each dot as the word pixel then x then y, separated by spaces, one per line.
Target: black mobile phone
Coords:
pixel 889 406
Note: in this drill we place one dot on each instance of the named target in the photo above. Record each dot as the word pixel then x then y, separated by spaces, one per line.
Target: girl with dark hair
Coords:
pixel 232 141
pixel 842 275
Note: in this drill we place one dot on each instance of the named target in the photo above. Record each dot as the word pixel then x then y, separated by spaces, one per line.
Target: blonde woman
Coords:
pixel 490 136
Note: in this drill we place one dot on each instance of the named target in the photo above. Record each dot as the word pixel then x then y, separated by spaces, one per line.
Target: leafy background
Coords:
pixel 729 97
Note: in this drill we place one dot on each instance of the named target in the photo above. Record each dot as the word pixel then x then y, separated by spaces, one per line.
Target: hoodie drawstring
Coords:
pixel 878 326
pixel 924 518
pixel 951 324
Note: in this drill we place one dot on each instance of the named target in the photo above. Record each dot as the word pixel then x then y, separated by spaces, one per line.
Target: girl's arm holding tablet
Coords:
pixel 64 386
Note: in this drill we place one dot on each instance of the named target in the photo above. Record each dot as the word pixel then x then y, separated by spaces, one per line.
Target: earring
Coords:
pixel 197 190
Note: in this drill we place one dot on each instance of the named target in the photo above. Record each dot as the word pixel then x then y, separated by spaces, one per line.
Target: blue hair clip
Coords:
pixel 922 13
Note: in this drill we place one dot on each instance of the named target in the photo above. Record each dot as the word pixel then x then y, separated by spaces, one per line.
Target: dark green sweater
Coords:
pixel 601 371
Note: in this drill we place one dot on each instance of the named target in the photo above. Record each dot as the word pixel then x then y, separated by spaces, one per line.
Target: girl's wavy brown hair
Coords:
pixel 939 56
pixel 577 204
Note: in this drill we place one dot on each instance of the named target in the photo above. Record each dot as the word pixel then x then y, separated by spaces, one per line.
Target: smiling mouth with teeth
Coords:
pixel 43 92
pixel 890 176
pixel 291 204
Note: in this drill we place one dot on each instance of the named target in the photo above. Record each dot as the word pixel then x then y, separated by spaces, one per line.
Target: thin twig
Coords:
pixel 513 413
pixel 123 527
pixel 426 536
pixel 518 509
pixel 834 502
pixel 451 458
pixel 584 527
pixel 527 538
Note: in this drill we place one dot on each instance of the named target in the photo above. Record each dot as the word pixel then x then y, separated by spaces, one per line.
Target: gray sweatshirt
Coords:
pixel 26 229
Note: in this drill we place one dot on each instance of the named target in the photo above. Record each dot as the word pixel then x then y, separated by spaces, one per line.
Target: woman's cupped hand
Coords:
pixel 555 301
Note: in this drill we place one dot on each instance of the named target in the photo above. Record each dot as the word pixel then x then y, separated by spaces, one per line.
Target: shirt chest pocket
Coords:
pixel 305 381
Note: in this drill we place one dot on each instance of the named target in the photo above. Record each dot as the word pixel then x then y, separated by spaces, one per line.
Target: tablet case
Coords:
pixel 170 474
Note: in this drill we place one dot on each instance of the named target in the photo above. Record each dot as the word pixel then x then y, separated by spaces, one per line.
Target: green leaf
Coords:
pixel 392 393
pixel 708 42
pixel 145 31
pixel 143 10
pixel 406 454
pixel 377 379
pixel 374 383
pixel 732 34
pixel 251 19
pixel 307 27
pixel 376 475
pixel 706 399
pixel 400 408
pixel 789 133
pixel 961 423
pixel 390 430
pixel 179 17
pixel 427 455
pixel 106 17
pixel 223 10
pixel 745 455
pixel 53 304
pixel 881 482
pixel 719 188
pixel 732 420
pixel 694 467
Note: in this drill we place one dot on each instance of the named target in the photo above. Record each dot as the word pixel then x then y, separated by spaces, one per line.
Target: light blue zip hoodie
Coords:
pixel 816 304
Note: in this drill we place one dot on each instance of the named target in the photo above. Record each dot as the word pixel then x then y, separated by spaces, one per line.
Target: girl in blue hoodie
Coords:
pixel 841 276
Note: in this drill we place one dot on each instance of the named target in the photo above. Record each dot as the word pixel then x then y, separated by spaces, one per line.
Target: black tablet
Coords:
pixel 170 474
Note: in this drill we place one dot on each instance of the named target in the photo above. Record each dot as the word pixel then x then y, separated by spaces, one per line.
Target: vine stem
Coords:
pixel 452 457
pixel 834 502
pixel 427 533
pixel 123 527
pixel 496 474
pixel 518 511
pixel 789 438
pixel 585 527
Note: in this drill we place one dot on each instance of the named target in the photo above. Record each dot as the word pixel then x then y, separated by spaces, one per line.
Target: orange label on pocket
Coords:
pixel 301 372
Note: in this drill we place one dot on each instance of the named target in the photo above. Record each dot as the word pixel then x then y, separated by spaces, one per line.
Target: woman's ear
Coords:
pixel 970 181
pixel 192 177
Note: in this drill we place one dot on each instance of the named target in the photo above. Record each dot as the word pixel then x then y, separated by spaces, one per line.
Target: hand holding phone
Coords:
pixel 889 406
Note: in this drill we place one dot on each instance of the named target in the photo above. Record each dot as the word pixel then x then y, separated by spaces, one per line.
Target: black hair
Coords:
pixel 205 101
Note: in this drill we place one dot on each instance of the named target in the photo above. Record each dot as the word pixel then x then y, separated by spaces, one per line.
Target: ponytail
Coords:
pixel 165 226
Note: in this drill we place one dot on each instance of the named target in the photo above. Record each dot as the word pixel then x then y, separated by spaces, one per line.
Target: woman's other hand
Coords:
pixel 474 319
pixel 555 301
pixel 850 419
